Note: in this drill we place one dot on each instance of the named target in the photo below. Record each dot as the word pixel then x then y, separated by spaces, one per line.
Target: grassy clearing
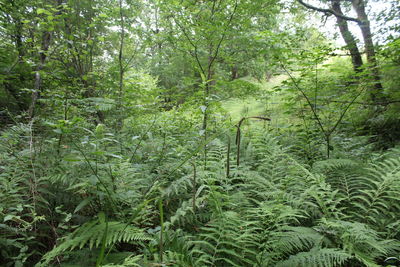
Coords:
pixel 268 103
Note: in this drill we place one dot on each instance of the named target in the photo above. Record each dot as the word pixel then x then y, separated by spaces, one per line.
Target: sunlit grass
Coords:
pixel 267 104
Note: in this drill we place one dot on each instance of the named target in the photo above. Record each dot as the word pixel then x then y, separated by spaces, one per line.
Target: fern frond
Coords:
pixel 318 257
pixel 293 239
pixel 225 241
pixel 131 261
pixel 381 196
pixel 179 186
pixel 91 234
pixel 334 164
pixel 102 104
pixel 360 240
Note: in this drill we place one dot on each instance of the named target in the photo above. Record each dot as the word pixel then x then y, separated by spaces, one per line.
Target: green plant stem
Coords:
pixel 161 245
pixel 141 139
pixel 96 175
pixel 194 190
pixel 100 258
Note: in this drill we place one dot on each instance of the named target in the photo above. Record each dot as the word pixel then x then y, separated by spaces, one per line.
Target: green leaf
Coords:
pixel 71 158
pixel 9 218
pixel 40 11
pixel 114 156
pixel 102 217
pixel 59 131
pixel 83 204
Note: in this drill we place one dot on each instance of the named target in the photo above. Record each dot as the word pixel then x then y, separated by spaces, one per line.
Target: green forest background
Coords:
pixel 199 133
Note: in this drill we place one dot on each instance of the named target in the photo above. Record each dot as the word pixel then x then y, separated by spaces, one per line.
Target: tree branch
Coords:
pixel 368 104
pixel 328 11
pixel 223 35
pixel 195 49
pixel 297 86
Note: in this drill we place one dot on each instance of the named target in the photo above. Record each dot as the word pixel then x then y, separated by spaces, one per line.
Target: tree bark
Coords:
pixel 46 38
pixel 365 27
pixel 234 72
pixel 364 24
pixel 44 48
pixel 348 37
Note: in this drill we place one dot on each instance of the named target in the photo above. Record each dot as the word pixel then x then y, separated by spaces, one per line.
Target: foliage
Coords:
pixel 125 137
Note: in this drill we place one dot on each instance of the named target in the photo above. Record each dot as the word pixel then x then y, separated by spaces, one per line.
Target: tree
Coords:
pixel 214 34
pixel 348 37
pixel 15 69
pixel 363 22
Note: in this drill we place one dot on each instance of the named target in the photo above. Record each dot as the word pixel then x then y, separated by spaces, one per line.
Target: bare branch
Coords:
pixel 328 11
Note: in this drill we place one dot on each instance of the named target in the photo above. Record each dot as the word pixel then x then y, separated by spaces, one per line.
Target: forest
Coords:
pixel 199 133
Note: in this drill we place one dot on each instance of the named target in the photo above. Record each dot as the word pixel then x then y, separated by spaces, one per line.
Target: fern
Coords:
pixel 179 249
pixel 22 198
pixel 368 191
pixel 317 257
pixel 343 175
pixel 290 240
pixel 91 235
pixel 179 186
pixel 102 104
pixel 379 201
pixel 225 241
pixel 184 215
pixel 271 210
pixel 334 164
pixel 131 261
pixel 360 240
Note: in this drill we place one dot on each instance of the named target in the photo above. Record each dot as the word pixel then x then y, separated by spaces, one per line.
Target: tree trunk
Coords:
pixel 46 38
pixel 44 48
pixel 364 24
pixel 348 37
pixel 234 72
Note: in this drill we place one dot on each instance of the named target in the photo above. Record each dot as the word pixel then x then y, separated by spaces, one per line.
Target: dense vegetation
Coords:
pixel 199 133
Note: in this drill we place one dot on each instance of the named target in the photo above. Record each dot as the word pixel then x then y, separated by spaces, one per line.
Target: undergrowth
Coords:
pixel 161 202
